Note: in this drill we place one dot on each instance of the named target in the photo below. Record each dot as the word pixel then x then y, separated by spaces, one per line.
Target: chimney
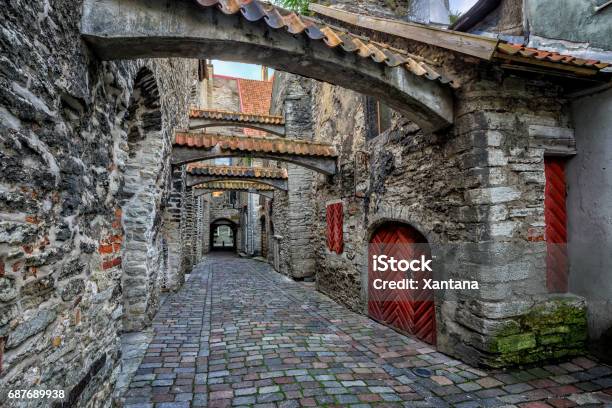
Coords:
pixel 206 72
pixel 264 73
pixel 429 12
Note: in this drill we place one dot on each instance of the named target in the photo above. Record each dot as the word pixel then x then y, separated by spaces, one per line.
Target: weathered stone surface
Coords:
pixel 64 159
pixel 478 190
pixel 7 289
pixel 30 327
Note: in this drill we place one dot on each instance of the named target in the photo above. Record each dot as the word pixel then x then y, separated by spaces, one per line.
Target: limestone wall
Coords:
pixel 477 189
pixel 67 169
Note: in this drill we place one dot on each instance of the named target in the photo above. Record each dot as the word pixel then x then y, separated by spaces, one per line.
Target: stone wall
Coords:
pixel 292 98
pixel 475 192
pixel 67 168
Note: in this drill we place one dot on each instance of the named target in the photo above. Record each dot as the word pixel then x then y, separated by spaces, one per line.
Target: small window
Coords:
pixel 378 117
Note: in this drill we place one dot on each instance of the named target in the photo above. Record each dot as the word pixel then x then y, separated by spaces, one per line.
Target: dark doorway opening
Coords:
pixel 223 235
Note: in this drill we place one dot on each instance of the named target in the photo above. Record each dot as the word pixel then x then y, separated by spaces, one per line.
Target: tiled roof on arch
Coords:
pixel 274 145
pixel 200 169
pixel 195 113
pixel 255 10
pixel 549 56
pixel 233 185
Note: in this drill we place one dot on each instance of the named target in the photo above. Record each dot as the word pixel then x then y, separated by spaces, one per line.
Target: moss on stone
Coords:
pixel 510 344
pixel 552 330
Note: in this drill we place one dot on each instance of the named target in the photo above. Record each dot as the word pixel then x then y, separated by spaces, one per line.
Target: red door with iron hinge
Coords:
pixel 408 311
pixel 555 215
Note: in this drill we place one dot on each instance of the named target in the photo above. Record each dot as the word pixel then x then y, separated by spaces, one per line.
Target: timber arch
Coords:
pixel 248 31
pixel 198 180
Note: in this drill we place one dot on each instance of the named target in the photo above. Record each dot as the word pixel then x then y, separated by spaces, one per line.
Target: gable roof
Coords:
pixel 255 98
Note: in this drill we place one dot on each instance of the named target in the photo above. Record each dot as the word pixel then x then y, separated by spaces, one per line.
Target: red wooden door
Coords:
pixel 408 311
pixel 555 215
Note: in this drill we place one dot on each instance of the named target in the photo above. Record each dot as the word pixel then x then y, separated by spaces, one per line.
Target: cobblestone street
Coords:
pixel 239 334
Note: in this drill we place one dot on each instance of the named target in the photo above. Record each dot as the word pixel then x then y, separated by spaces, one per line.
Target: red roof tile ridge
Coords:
pixel 550 56
pixel 247 143
pixel 197 112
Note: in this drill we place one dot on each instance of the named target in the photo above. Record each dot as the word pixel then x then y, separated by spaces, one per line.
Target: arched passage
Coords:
pixel 223 233
pixel 406 310
pixel 248 31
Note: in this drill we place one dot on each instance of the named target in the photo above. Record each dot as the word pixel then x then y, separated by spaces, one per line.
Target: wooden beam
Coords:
pixel 469 44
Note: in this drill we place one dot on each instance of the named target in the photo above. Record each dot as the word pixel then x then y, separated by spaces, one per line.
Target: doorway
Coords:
pixel 406 310
pixel 223 235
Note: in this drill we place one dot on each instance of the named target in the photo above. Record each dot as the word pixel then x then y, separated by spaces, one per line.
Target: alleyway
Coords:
pixel 239 334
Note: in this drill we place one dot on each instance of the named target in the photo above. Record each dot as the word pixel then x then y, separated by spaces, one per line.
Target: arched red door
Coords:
pixel 409 311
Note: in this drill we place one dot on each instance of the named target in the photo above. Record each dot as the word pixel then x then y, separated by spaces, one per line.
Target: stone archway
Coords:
pixel 223 235
pixel 141 195
pixel 251 32
pixel 408 311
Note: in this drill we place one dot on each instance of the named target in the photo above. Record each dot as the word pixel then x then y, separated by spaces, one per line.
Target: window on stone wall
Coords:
pixel 377 117
pixel 335 223
pixel 233 198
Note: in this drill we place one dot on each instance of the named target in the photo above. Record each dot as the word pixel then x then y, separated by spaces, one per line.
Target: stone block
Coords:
pixel 492 195
pixel 515 343
pixel 30 327
pixel 8 290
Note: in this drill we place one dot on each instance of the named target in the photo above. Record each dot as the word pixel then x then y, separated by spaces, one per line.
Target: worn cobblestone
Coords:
pixel 239 334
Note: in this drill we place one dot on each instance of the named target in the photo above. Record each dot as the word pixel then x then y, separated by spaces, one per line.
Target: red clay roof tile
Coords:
pixel 549 56
pixel 255 144
pixel 233 185
pixel 255 10
pixel 200 169
pixel 235 116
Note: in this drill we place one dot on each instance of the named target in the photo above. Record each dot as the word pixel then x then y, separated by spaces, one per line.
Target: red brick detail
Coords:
pixel 116 238
pixel 105 249
pixel 1 267
pixel 111 264
pixel 32 219
pixel 335 223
